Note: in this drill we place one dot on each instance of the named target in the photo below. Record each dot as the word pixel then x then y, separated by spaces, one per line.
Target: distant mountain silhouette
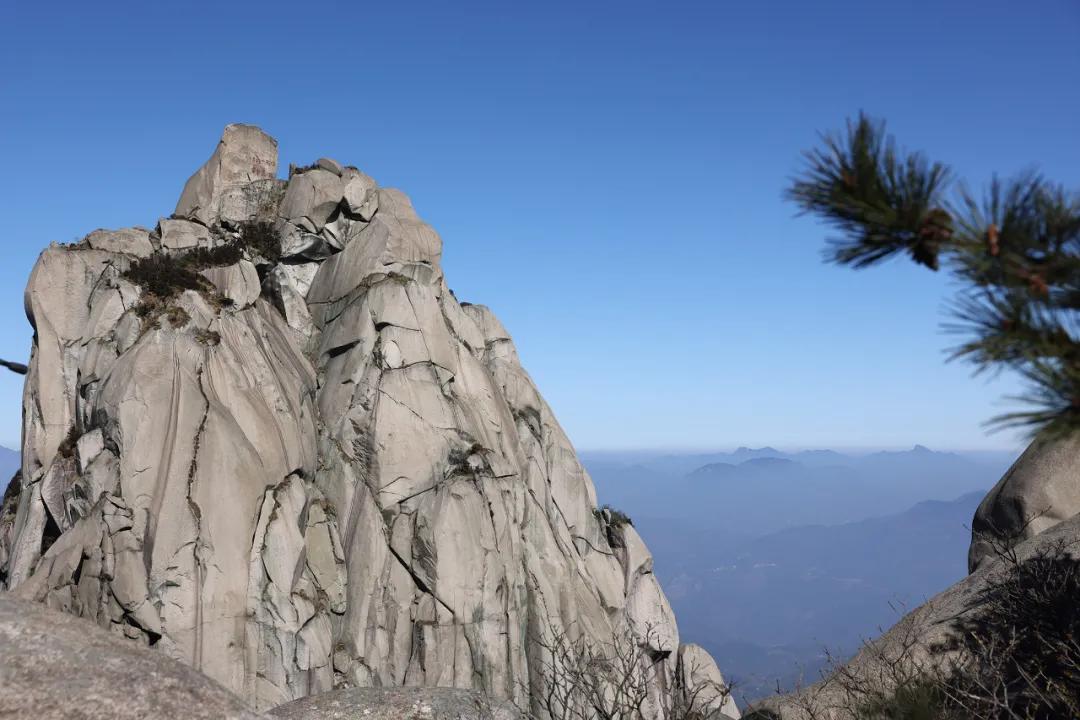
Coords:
pixel 9 463
pixel 763 490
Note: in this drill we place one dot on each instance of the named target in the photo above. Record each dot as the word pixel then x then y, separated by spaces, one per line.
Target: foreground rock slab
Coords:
pixel 415 703
pixel 54 666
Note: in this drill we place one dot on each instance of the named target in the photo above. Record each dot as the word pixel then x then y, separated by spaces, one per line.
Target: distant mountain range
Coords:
pixel 9 463
pixel 769 557
pixel 768 607
pixel 752 492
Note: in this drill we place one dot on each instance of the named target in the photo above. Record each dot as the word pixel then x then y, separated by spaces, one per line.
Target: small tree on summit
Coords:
pixel 1015 248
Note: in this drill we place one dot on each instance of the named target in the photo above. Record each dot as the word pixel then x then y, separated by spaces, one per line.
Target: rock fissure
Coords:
pixel 593 547
pixel 420 584
pixel 196 513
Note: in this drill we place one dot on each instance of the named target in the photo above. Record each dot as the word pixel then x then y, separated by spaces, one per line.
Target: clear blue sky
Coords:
pixel 605 175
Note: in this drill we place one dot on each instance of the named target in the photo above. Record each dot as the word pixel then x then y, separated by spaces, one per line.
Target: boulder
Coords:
pixel 329 164
pixel 300 243
pixel 178 234
pixel 418 703
pixel 361 195
pixel 89 447
pixel 128 241
pixel 313 196
pixel 287 290
pixel 237 283
pixel 387 244
pixel 1040 490
pixel 58 667
pixel 245 154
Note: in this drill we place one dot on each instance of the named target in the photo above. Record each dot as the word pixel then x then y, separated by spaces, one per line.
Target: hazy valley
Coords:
pixel 769 558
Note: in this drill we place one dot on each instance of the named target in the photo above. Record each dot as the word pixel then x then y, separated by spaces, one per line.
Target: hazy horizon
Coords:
pixel 711 449
pixel 853 450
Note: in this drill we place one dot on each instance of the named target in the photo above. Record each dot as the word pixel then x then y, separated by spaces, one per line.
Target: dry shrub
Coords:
pixel 1014 656
pixel 260 237
pixel 1020 652
pixel 163 277
pixel 177 316
pixel 613 678
pixel 67 446
pixel 210 338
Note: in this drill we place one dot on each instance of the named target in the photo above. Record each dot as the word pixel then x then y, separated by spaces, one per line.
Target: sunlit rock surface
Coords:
pixel 1040 490
pixel 318 471
pixel 59 667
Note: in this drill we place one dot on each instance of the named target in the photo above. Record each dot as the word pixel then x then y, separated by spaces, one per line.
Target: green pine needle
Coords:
pixel 883 201
pixel 1016 251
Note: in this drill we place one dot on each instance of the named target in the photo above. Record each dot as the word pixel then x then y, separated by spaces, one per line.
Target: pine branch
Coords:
pixel 1008 330
pixel 1017 250
pixel 883 201
pixel 1053 394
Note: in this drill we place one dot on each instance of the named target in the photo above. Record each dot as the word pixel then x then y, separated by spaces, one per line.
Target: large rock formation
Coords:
pixel 57 667
pixel 267 439
pixel 1040 490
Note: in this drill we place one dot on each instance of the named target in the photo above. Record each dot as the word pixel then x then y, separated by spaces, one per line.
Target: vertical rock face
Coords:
pixel 309 467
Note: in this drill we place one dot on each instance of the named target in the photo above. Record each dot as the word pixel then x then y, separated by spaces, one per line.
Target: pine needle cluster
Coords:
pixel 1015 248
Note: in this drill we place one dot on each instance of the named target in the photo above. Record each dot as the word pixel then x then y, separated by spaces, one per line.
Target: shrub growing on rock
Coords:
pixel 260 237
pixel 168 275
pixel 613 517
pixel 1021 648
pixel 66 448
pixel 164 276
pixel 210 338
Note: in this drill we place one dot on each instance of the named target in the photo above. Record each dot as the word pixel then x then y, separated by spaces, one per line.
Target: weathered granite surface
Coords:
pixel 1040 490
pixel 54 666
pixel 315 468
pixel 408 703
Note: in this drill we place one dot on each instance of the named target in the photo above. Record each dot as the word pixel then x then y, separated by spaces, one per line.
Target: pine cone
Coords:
pixel 934 231
pixel 1038 285
pixel 992 240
